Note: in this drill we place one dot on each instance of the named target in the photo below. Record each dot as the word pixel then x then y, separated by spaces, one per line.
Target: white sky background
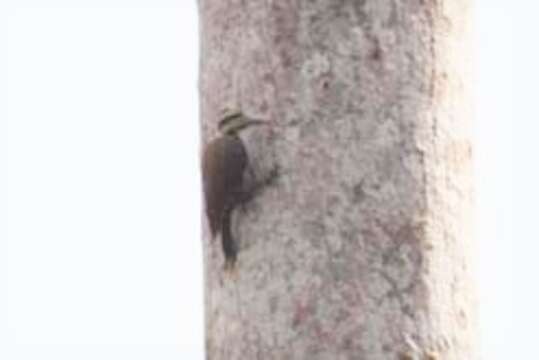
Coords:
pixel 100 254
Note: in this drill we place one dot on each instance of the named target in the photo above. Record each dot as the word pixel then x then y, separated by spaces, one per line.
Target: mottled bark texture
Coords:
pixel 361 248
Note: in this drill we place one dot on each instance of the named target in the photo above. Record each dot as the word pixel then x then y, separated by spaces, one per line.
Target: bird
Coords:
pixel 225 161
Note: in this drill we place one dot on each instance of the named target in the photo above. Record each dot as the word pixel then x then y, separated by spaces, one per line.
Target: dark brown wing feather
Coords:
pixel 223 163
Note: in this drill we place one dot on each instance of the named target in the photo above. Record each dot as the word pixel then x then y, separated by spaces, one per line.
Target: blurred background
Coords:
pixel 100 254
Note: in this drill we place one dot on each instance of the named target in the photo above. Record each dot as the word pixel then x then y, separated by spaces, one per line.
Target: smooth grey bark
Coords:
pixel 362 247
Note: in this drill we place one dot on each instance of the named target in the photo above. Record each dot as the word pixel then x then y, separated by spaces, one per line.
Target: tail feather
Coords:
pixel 230 249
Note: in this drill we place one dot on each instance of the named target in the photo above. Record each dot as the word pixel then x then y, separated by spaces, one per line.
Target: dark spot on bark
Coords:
pixel 315 231
pixel 347 343
pixel 376 52
pixel 348 235
pixel 268 77
pixel 286 60
pixel 333 202
pixel 342 315
pixel 360 11
pixel 273 302
pixel 406 234
pixel 358 193
pixel 410 233
pixel 325 84
pixel 314 18
pixel 264 107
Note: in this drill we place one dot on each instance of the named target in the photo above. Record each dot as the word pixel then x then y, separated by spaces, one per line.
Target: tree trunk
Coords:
pixel 361 248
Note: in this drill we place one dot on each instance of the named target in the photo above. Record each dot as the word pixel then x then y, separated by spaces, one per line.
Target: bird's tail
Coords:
pixel 230 249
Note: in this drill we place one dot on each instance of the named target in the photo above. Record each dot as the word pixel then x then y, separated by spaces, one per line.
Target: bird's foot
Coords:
pixel 230 269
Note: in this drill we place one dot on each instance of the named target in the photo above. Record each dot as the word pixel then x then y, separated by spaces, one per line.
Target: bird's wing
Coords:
pixel 213 182
pixel 224 162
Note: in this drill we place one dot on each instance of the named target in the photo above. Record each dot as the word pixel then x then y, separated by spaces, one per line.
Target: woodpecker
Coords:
pixel 225 161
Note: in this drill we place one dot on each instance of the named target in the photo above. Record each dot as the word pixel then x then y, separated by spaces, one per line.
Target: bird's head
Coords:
pixel 233 120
